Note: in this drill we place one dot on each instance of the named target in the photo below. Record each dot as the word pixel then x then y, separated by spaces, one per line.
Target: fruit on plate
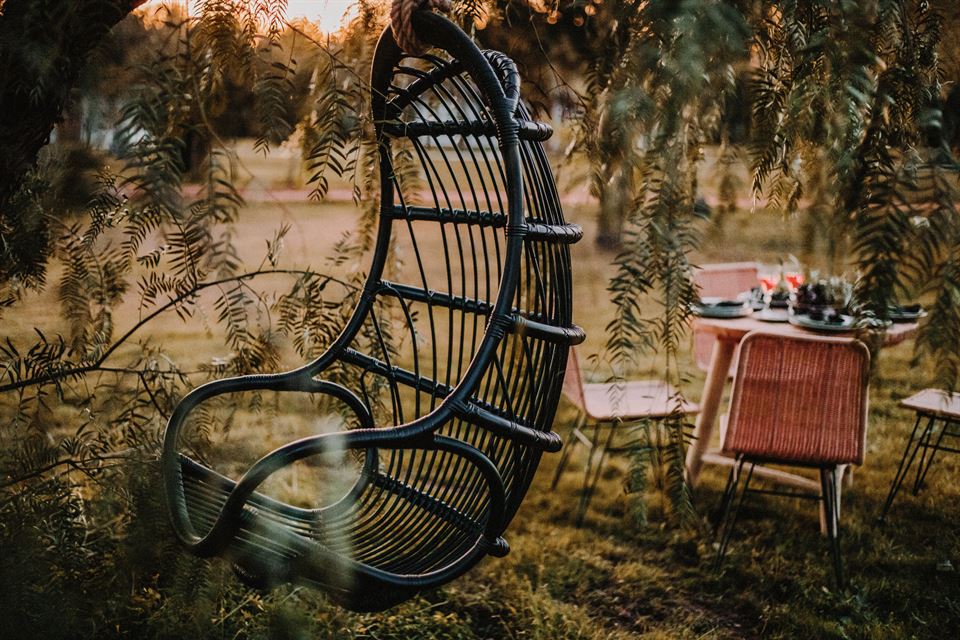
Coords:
pixel 822 295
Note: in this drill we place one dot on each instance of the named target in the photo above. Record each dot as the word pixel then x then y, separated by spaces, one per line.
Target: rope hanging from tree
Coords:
pixel 403 33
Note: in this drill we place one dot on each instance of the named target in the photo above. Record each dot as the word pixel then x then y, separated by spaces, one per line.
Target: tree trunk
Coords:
pixel 616 202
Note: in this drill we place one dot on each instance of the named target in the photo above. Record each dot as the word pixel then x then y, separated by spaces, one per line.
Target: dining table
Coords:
pixel 728 334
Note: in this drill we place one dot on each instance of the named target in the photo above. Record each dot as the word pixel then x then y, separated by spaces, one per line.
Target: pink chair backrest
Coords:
pixel 799 399
pixel 721 280
pixel 725 279
pixel 573 381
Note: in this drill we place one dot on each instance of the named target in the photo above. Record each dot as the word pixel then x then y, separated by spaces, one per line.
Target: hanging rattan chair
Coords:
pixel 450 424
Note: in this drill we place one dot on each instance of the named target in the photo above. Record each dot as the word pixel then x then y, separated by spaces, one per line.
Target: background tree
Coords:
pixel 43 48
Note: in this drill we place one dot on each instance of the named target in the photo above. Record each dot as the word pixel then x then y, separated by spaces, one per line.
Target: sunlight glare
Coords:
pixel 328 15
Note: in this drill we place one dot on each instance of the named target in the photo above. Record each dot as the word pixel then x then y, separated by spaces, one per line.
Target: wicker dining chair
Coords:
pixel 719 280
pixel 453 399
pixel 798 401
pixel 610 404
pixel 939 413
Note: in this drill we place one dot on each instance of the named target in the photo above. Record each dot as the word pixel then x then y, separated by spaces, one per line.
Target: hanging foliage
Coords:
pixel 846 132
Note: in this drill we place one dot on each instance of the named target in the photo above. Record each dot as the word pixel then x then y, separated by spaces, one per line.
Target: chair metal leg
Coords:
pixel 925 449
pixel 828 484
pixel 732 480
pixel 838 495
pixel 925 468
pixel 846 477
pixel 906 461
pixel 587 469
pixel 838 484
pixel 728 521
pixel 590 485
pixel 568 450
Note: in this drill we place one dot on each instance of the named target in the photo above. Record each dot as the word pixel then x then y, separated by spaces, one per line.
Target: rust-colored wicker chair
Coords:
pixel 720 280
pixel 608 403
pixel 798 401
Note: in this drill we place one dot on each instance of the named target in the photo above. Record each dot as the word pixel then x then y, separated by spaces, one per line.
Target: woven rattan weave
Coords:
pixel 452 415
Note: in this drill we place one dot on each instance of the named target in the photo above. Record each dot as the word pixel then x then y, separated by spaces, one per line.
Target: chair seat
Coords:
pixel 934 402
pixel 278 543
pixel 207 491
pixel 275 538
pixel 633 400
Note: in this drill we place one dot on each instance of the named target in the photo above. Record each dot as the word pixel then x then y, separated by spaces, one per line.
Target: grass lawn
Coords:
pixel 615 578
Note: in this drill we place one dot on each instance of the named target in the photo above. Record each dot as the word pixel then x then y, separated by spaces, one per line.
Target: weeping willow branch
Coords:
pixel 69 372
pixel 847 102
pixel 654 113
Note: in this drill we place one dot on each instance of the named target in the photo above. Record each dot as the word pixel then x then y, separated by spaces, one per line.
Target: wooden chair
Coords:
pixel 449 369
pixel 799 401
pixel 935 407
pixel 721 280
pixel 612 404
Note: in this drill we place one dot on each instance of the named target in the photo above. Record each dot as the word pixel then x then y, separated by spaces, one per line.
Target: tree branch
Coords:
pixel 72 462
pixel 55 376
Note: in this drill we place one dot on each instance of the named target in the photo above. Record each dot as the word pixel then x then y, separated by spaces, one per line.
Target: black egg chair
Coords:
pixel 450 428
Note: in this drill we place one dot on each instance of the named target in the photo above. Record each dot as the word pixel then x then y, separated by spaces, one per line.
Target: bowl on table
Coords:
pixel 772 314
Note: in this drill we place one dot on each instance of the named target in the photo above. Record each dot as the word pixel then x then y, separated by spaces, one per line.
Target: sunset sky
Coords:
pixel 328 14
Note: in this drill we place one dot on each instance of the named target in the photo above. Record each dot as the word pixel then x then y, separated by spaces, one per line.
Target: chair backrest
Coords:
pixel 483 294
pixel 799 399
pixel 725 279
pixel 720 280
